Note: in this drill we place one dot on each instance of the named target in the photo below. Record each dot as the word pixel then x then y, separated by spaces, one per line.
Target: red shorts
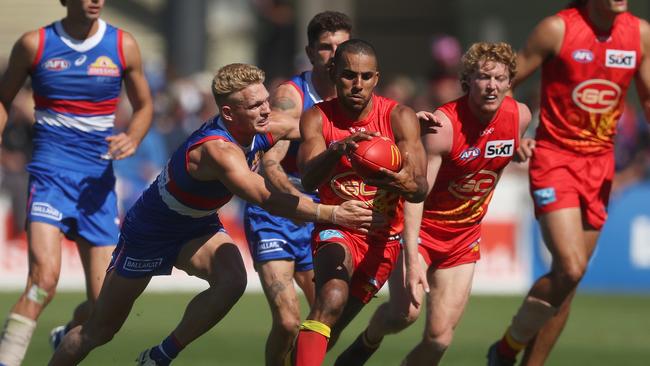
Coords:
pixel 449 247
pixel 561 179
pixel 372 261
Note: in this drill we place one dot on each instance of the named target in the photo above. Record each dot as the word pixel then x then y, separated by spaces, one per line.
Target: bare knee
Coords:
pixel 234 286
pixel 438 340
pixel 570 275
pixel 289 324
pixel 98 335
pixel 397 320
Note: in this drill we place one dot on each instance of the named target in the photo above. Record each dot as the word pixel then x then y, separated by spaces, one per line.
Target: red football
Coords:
pixel 380 152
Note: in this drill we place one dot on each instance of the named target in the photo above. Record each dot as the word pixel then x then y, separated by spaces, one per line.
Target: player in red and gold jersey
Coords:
pixel 477 137
pixel 588 54
pixel 351 267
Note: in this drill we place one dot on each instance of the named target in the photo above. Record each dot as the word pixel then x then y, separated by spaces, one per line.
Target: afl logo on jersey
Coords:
pixel 103 66
pixel 56 64
pixel 596 95
pixel 620 59
pixel 470 153
pixel 474 186
pixel 583 56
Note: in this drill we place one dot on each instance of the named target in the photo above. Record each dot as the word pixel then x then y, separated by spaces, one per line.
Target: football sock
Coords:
pixel 167 350
pixel 311 344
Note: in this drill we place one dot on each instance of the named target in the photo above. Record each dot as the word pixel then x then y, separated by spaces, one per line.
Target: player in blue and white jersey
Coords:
pixel 77 66
pixel 175 221
pixel 280 247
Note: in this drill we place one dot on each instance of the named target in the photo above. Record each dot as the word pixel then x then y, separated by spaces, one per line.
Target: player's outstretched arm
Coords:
pixel 410 181
pixel 225 162
pixel 642 77
pixel 287 102
pixel 126 143
pixel 316 161
pixel 22 57
pixel 544 42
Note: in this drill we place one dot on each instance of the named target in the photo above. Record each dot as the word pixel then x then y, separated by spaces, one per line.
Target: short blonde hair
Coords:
pixel 500 52
pixel 233 78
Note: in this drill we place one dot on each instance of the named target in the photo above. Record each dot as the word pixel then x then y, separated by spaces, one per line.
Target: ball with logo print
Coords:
pixel 371 155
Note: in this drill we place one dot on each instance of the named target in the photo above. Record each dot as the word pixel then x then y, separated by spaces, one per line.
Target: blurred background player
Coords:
pixel 345 261
pixel 175 221
pixel 588 54
pixel 476 139
pixel 281 248
pixel 76 66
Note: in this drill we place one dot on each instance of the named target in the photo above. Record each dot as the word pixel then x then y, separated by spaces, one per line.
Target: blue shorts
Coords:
pixel 275 238
pixel 152 236
pixel 77 203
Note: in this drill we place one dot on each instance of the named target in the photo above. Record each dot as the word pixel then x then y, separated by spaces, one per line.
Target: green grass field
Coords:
pixel 603 330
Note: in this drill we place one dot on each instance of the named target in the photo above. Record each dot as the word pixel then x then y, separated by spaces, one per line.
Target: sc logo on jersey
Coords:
pixel 596 95
pixel 474 186
pixel 620 59
pixel 499 148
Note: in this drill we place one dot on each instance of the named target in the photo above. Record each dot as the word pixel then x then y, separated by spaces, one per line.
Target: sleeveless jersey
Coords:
pixel 584 86
pixel 76 91
pixel 468 175
pixel 309 97
pixel 179 192
pixel 345 184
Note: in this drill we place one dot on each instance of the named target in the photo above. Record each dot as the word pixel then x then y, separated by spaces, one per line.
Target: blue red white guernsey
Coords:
pixel 177 208
pixel 273 237
pixel 76 90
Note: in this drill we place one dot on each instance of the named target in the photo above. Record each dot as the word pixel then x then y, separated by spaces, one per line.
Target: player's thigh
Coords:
pixel 213 257
pixel 564 237
pixel 305 280
pixel 95 260
pixel 44 245
pixel 276 278
pixel 449 291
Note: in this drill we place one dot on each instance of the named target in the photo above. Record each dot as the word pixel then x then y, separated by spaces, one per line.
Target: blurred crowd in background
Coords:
pixel 183 103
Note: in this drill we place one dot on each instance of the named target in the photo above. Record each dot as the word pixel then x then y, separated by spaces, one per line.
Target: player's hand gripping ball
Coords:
pixel 370 155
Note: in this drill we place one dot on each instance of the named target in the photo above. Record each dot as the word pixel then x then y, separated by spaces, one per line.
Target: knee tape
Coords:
pixel 37 294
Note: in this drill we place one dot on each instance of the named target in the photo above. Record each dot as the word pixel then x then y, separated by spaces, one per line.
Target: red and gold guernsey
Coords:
pixel 584 86
pixel 345 184
pixel 468 175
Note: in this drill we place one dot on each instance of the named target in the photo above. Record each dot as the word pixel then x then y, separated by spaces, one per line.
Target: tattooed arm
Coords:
pixel 287 101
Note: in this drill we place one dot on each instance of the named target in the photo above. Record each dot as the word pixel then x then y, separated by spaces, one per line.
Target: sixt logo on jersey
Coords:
pixel 498 148
pixel 583 56
pixel 103 66
pixel 620 59
pixel 470 153
pixel 56 64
